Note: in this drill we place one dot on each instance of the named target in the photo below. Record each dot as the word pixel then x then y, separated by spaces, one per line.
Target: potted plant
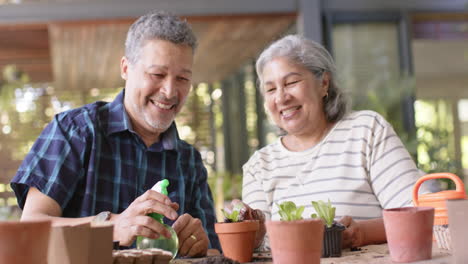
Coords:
pixel 294 239
pixel 237 236
pixel 333 235
pixel 288 211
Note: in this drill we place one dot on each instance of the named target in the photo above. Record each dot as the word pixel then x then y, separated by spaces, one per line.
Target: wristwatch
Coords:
pixel 101 217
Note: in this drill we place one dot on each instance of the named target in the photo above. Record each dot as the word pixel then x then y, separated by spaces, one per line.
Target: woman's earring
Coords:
pixel 325 97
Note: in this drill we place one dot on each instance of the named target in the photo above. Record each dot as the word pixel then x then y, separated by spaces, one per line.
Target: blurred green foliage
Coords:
pixel 388 101
pixel 231 185
pixel 436 142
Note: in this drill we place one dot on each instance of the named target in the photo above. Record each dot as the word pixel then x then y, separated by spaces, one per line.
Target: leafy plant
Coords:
pixel 392 98
pixel 325 211
pixel 436 152
pixel 289 211
pixel 234 215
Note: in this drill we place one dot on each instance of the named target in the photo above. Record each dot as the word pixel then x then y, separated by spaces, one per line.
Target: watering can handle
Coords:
pixel 460 187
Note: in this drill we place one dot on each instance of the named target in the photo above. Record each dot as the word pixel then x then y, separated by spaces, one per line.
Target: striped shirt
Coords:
pixel 361 166
pixel 90 160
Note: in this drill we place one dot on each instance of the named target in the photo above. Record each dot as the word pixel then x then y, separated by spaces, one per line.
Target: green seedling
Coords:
pixel 289 212
pixel 234 215
pixel 325 211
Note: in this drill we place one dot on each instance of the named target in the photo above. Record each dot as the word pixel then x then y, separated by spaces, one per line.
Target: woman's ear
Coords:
pixel 325 83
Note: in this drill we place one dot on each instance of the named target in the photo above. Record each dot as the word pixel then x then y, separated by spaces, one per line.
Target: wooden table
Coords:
pixel 377 254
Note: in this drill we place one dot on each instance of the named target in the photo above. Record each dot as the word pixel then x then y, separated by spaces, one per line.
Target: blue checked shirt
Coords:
pixel 90 160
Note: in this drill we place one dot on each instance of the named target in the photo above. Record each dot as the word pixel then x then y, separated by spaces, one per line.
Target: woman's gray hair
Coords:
pixel 315 58
pixel 157 25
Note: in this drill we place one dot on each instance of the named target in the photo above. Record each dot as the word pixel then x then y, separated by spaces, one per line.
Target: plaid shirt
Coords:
pixel 90 160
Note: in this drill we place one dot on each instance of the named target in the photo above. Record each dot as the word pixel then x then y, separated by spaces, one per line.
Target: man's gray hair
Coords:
pixel 315 58
pixel 157 25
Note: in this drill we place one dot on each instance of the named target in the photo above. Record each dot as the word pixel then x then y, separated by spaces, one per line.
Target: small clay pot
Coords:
pixel 237 239
pixel 298 242
pixel 332 239
pixel 24 242
pixel 458 229
pixel 409 233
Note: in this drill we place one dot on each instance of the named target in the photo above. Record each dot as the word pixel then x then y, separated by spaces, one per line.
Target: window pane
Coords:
pixel 367 57
pixel 436 148
pixel 463 118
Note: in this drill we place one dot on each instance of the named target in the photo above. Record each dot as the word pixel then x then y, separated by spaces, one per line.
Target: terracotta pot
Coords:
pixel 298 242
pixel 237 239
pixel 458 213
pixel 409 233
pixel 332 239
pixel 437 200
pixel 24 242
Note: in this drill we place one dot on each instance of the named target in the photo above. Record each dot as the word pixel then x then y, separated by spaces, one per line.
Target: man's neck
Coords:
pixel 148 138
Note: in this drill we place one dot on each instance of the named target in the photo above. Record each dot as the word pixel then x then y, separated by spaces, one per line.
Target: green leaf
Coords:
pixel 325 211
pixel 289 212
pixel 283 215
pixel 299 212
pixel 289 206
pixel 235 216
pixel 226 214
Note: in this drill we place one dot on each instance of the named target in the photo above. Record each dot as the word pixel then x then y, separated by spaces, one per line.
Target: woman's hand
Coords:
pixel 247 213
pixel 361 233
pixel 352 235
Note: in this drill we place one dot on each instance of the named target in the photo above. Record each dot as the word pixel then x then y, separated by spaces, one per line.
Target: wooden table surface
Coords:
pixel 377 254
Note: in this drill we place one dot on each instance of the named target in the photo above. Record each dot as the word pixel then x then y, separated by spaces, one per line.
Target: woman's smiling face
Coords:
pixel 293 96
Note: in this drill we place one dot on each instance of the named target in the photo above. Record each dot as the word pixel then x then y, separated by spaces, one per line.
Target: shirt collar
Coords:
pixel 119 121
pixel 117 117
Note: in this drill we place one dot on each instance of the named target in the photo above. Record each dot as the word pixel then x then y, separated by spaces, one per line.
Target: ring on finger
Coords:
pixel 193 237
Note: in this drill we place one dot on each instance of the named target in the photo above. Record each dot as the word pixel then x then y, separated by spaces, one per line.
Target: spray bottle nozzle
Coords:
pixel 160 187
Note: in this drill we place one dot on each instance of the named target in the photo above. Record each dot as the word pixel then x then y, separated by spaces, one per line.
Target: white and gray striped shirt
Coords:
pixel 361 166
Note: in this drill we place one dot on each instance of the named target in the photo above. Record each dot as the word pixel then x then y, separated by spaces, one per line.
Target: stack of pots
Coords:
pixel 438 201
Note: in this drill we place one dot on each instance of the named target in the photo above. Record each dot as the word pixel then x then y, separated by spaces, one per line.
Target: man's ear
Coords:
pixel 124 67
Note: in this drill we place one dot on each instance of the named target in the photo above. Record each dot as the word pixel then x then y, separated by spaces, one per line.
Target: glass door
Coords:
pixel 440 53
pixel 372 57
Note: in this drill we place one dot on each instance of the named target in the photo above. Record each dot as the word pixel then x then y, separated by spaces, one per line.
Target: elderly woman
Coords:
pixel 354 159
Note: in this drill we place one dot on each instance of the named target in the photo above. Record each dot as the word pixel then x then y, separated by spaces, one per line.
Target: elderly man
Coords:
pixel 101 160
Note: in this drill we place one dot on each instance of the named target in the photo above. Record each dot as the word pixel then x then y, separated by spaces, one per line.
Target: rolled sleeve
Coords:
pixel 53 165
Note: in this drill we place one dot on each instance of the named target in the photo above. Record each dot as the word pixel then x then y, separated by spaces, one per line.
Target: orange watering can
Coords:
pixel 437 200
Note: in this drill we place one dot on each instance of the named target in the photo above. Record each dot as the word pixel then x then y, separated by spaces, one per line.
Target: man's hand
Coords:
pixel 248 213
pixel 193 241
pixel 134 221
pixel 352 235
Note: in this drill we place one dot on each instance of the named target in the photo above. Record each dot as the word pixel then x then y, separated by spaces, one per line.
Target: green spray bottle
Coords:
pixel 170 244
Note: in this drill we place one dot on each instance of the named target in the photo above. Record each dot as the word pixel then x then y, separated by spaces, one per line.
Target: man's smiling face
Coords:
pixel 157 85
